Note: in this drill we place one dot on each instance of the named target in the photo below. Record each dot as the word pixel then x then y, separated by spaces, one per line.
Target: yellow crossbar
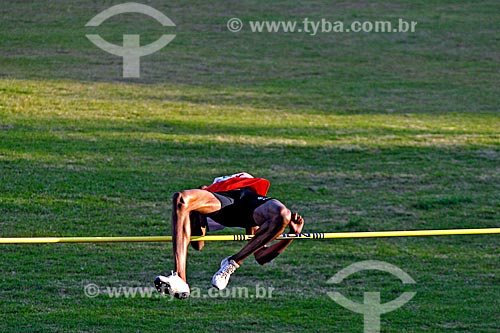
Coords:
pixel 312 235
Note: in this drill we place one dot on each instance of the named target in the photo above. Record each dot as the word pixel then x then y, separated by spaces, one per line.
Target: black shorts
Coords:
pixel 237 208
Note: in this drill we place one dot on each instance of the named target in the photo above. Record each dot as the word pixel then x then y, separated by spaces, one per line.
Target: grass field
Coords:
pixel 358 132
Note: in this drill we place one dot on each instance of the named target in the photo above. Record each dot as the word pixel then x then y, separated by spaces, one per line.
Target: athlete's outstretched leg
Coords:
pixel 183 204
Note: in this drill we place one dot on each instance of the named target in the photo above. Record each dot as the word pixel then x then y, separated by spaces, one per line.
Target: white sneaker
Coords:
pixel 173 284
pixel 221 278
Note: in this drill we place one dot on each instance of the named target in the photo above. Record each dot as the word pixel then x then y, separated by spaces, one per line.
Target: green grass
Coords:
pixel 356 131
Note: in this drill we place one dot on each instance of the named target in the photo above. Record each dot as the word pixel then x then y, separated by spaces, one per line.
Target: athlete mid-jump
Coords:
pixel 238 200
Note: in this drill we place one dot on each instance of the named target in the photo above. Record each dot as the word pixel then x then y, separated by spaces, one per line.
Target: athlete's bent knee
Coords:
pixel 179 200
pixel 282 219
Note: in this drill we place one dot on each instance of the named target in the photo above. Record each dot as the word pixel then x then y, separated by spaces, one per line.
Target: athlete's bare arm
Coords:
pixel 267 254
pixel 272 218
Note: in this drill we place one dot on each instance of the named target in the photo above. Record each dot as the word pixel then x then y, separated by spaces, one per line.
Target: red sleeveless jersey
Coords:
pixel 258 185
